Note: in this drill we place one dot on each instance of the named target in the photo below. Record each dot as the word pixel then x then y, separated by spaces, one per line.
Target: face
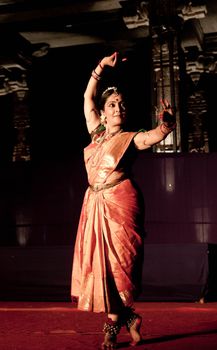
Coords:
pixel 115 110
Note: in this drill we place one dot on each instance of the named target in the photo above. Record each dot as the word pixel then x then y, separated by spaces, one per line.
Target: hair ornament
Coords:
pixel 110 88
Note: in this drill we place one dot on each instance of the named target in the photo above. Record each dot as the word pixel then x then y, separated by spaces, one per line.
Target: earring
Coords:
pixel 103 118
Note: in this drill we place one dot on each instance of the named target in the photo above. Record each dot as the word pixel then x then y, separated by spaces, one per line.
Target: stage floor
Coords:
pixel 59 326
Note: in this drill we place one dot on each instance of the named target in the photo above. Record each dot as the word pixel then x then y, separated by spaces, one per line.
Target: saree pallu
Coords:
pixel 109 244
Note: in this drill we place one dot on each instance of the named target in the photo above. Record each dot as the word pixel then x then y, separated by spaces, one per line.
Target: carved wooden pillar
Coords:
pixel 200 62
pixel 21 151
pixel 198 140
pixel 165 67
pixel 14 83
pixel 166 82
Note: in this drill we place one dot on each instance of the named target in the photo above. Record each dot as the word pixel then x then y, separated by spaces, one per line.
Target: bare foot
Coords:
pixel 110 342
pixel 134 331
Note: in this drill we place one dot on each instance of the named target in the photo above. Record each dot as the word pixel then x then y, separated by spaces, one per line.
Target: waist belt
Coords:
pixel 101 187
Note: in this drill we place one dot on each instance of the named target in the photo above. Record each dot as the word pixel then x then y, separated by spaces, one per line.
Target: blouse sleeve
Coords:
pixel 97 131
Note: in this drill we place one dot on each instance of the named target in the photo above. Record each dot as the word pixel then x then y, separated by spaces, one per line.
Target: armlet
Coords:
pixel 140 130
pixel 98 130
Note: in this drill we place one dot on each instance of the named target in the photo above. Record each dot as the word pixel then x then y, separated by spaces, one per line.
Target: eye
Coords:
pixel 111 105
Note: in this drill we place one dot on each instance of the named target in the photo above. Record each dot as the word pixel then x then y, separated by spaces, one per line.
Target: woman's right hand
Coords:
pixel 110 60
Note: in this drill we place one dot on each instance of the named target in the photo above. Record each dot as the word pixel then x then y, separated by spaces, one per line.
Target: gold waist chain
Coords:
pixel 101 187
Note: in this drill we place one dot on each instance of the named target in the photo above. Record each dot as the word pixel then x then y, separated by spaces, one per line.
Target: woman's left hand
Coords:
pixel 167 115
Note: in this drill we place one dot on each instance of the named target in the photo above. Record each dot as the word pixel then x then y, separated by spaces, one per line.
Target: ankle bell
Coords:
pixel 112 327
pixel 131 320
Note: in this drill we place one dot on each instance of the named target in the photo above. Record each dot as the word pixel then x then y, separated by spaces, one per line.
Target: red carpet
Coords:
pixel 51 326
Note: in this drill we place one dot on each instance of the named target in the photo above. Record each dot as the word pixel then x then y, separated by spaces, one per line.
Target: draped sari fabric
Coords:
pixel 109 244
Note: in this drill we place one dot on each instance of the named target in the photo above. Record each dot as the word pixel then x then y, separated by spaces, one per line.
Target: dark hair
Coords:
pixel 106 93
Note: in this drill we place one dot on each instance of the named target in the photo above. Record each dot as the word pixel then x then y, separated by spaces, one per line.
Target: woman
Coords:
pixel 109 244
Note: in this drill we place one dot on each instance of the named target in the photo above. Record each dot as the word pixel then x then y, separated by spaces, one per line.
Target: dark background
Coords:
pixel 40 200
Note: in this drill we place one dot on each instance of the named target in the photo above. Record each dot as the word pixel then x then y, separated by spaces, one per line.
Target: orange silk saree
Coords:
pixel 109 244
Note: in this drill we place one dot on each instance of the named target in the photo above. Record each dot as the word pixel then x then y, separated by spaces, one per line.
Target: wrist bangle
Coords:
pixel 168 129
pixel 163 131
pixel 95 75
pixel 101 65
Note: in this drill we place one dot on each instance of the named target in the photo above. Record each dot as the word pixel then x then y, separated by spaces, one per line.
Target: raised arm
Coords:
pixel 91 113
pixel 144 140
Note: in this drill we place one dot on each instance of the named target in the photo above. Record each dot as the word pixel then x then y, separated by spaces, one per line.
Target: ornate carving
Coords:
pixel 12 78
pixel 13 81
pixel 197 110
pixel 166 81
pixel 203 64
pixel 21 150
pixel 140 18
pixel 189 12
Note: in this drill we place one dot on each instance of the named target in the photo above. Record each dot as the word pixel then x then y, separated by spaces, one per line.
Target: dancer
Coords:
pixel 108 252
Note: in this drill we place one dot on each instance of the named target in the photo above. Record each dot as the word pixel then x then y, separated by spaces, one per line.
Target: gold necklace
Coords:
pixel 99 143
pixel 108 136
